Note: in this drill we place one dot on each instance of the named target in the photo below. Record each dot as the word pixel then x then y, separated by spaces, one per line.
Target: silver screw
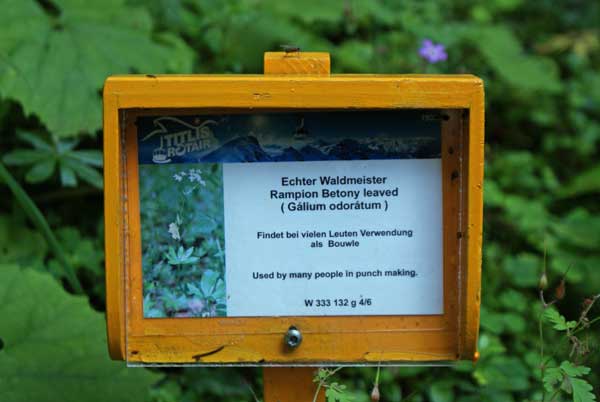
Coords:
pixel 293 337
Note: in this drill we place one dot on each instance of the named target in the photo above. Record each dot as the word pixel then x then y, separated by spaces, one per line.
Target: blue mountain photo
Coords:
pixel 278 137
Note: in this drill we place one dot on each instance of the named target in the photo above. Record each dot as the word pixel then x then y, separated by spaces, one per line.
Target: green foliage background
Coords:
pixel 540 62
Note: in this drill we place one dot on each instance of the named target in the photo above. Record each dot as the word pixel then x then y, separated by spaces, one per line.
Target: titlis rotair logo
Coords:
pixel 178 137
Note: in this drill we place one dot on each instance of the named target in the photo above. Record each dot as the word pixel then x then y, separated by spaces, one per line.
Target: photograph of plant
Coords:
pixel 183 258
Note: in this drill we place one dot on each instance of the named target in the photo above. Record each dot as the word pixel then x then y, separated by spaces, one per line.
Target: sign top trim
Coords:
pixel 287 77
pixel 294 92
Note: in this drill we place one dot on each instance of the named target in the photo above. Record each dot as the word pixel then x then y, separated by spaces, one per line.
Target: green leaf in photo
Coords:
pixel 54 346
pixel 208 282
pixel 181 257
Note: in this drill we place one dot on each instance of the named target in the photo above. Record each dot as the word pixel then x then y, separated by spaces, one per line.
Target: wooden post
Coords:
pixel 297 63
pixel 293 384
pixel 290 384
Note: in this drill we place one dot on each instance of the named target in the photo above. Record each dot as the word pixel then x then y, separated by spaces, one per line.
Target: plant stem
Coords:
pixel 583 316
pixel 251 391
pixel 222 255
pixel 595 320
pixel 323 381
pixel 542 363
pixel 554 395
pixel 36 217
pixel 317 391
pixel 411 396
pixel 541 335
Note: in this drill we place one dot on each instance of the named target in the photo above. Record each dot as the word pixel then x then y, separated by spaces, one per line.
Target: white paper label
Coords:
pixel 333 238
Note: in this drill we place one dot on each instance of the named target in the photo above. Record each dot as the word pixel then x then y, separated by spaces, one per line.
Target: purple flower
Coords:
pixel 195 305
pixel 432 52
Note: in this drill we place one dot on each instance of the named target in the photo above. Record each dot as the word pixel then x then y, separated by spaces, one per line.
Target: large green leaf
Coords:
pixel 579 228
pixel 355 56
pixel 312 10
pixel 54 60
pixel 19 244
pixel 584 183
pixel 573 370
pixel 48 155
pixel 502 50
pixel 54 346
pixel 582 390
pixel 441 392
pixel 558 321
pixel 504 373
pixel 552 376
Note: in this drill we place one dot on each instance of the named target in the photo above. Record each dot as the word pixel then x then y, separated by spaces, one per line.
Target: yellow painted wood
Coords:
pixel 290 384
pixel 471 287
pixel 368 339
pixel 297 63
pixel 113 221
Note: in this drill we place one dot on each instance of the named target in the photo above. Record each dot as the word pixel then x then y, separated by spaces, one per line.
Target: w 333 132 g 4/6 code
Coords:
pixel 352 303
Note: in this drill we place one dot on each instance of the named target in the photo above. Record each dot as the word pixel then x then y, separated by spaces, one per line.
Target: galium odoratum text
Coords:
pixel 298 189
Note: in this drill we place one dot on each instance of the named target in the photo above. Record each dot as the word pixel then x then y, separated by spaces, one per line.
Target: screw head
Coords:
pixel 293 337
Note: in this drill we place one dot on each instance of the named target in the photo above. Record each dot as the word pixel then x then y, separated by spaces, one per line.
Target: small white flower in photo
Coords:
pixel 195 175
pixel 177 177
pixel 174 231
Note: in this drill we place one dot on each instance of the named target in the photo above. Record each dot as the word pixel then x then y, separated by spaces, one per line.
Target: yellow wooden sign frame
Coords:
pixel 352 339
